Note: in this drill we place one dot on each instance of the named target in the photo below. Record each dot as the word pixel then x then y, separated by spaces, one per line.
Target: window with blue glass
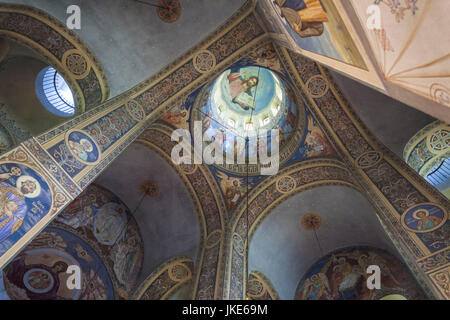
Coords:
pixel 54 93
pixel 440 174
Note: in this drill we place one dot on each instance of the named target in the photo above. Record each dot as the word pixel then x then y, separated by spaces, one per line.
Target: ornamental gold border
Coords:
pixel 263 291
pixel 194 62
pixel 325 80
pixel 268 286
pixel 380 157
pixel 161 269
pixel 172 275
pixel 88 63
pixel 212 245
pixel 189 172
pixel 442 283
pixel 428 139
pixel 444 219
pixel 283 177
pixel 66 141
pixel 132 115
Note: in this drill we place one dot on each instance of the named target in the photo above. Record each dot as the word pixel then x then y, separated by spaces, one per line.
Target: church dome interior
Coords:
pixel 224 150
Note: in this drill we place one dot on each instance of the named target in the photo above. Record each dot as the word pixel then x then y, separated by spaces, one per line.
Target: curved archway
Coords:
pixel 169 277
pixel 209 205
pixel 346 219
pixel 97 235
pixel 264 198
pixel 59 47
pixel 428 152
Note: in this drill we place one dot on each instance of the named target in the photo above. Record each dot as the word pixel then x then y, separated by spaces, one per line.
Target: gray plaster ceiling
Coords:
pixel 347 220
pixel 390 120
pixel 131 42
pixel 168 222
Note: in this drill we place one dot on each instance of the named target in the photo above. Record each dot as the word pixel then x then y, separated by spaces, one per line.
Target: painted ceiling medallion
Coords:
pixel 424 217
pixel 76 63
pixel 368 159
pixel 286 184
pixel 439 140
pixel 317 86
pixel 204 61
pixel 83 147
pixel 149 188
pixel 311 221
pixel 135 110
pixel 169 10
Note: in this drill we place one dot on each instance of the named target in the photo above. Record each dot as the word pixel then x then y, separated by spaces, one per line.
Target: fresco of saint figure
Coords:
pixel 109 223
pixel 306 17
pixel 316 288
pixel 34 281
pixel 82 148
pixel 426 221
pixel 240 89
pixel 13 207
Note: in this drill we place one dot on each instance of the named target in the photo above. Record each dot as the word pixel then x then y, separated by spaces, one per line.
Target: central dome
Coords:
pixel 247 101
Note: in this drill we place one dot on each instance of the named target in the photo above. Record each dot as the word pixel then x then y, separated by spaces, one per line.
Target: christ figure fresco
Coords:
pixel 240 89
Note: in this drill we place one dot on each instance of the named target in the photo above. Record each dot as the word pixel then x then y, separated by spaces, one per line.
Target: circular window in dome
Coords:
pixel 54 93
pixel 247 103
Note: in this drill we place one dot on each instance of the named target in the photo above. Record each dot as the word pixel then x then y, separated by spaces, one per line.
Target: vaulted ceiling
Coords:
pixel 132 44
pixel 129 39
pixel 168 221
pixel 347 219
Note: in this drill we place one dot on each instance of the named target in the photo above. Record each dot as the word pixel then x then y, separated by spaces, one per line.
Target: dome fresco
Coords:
pixel 147 166
pixel 39 272
pixel 247 102
pixel 341 275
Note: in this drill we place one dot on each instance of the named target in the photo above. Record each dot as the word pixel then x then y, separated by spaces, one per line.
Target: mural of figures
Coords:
pixel 24 199
pixel 100 217
pixel 247 101
pixel 240 88
pixel 316 142
pixel 341 275
pixel 266 56
pixel 39 272
pixel 313 25
pixel 177 117
pixel 95 232
pixel 83 147
pixel 424 217
pixel 233 188
pixel 306 17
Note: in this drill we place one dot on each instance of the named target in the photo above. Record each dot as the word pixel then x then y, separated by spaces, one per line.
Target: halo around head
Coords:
pixel 83 143
pixel 20 182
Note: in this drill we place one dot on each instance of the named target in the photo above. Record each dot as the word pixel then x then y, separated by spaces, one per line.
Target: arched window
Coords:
pixel 428 152
pixel 54 93
pixel 440 174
